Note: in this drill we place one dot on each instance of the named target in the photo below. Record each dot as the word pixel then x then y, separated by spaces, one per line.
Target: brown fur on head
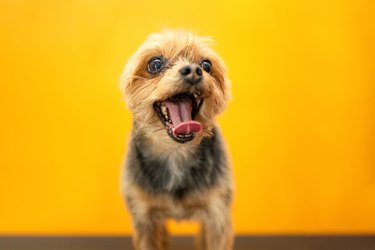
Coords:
pixel 142 89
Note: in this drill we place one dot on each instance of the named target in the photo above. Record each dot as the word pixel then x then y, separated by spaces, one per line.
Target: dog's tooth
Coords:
pixel 164 110
pixel 198 100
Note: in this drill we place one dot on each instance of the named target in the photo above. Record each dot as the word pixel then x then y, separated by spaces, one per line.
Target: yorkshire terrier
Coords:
pixel 177 167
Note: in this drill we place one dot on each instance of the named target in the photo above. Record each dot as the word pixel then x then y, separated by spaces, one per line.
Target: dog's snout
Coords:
pixel 191 73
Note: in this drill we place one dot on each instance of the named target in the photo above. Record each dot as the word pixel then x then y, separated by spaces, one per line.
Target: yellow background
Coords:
pixel 301 126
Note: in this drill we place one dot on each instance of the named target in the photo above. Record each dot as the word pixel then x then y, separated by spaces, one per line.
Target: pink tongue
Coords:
pixel 180 114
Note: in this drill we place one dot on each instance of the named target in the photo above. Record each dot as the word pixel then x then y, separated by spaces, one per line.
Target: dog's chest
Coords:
pixel 176 175
pixel 173 173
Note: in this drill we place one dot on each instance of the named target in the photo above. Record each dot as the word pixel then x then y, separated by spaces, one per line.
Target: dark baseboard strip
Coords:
pixel 187 243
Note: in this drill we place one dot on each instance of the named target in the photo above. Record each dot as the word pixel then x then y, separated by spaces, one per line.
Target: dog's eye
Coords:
pixel 155 65
pixel 206 65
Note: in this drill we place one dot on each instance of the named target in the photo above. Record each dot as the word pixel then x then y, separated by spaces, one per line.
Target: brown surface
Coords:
pixel 186 243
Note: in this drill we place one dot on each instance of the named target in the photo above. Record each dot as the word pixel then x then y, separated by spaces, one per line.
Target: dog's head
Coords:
pixel 175 84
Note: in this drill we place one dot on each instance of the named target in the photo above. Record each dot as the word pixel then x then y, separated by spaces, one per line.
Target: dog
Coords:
pixel 177 166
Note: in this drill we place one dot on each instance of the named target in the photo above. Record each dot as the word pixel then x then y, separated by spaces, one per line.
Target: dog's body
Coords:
pixel 177 165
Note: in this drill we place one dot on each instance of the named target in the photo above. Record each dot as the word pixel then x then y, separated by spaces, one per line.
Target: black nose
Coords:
pixel 191 73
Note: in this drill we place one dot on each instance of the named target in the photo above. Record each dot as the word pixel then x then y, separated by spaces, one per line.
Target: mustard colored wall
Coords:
pixel 301 126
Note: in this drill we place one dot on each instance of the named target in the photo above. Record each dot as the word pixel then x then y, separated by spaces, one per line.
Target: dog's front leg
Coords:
pixel 149 233
pixel 216 231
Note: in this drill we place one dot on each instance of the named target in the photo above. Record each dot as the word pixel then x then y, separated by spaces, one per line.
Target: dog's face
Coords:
pixel 175 85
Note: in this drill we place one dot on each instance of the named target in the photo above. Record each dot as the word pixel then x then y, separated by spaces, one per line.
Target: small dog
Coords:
pixel 176 166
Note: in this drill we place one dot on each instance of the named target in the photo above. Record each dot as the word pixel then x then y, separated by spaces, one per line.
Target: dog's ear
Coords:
pixel 133 72
pixel 220 74
pixel 137 63
pixel 128 75
pixel 221 90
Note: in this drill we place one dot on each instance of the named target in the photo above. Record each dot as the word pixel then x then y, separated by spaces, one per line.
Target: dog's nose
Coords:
pixel 191 73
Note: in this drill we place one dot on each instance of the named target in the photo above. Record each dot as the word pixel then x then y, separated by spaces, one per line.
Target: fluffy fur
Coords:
pixel 163 178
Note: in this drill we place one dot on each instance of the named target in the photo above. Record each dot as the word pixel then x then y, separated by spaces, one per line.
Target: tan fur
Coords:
pixel 141 90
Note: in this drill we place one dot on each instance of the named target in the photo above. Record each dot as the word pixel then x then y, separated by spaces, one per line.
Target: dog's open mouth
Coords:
pixel 177 115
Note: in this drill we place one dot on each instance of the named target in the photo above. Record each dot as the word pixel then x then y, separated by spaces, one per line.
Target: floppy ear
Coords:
pixel 127 76
pixel 221 75
pixel 133 72
pixel 134 84
pixel 137 63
